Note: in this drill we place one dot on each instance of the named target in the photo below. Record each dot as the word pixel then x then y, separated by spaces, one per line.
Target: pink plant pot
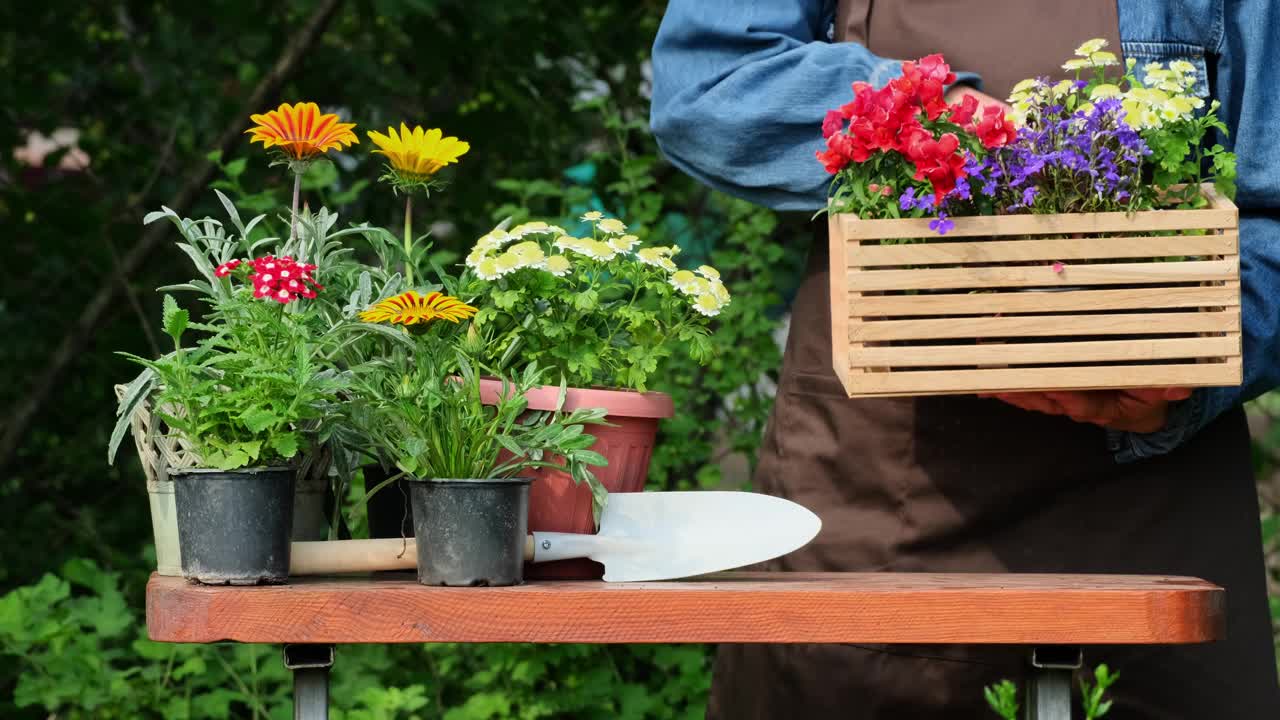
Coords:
pixel 556 503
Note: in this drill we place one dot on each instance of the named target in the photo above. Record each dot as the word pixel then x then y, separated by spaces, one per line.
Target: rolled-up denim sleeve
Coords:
pixel 1260 320
pixel 1246 74
pixel 740 90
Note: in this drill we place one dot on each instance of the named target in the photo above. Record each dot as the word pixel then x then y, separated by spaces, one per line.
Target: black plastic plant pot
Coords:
pixel 471 532
pixel 234 526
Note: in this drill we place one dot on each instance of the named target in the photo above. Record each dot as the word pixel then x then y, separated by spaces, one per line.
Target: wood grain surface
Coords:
pixel 727 607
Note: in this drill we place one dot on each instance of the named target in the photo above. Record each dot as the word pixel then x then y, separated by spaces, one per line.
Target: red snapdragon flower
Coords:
pixel 832 124
pixel 962 112
pixel 937 161
pixel 283 279
pixel 994 129
pixel 925 81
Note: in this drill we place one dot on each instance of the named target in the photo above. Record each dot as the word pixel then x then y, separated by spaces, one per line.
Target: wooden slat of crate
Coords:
pixel 1096 377
pixel 1043 276
pixel 1064 249
pixel 1045 326
pixel 1215 218
pixel 1024 302
pixel 898 356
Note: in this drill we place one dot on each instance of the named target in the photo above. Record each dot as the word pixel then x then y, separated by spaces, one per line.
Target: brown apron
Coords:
pixel 961 484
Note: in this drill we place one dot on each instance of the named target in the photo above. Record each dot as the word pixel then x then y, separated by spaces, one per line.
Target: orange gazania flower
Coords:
pixel 410 308
pixel 301 131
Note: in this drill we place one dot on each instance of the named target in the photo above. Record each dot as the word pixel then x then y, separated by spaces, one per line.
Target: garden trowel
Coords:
pixel 643 536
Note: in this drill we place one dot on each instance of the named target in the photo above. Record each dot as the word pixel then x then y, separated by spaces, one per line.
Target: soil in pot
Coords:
pixel 470 532
pixel 234 526
pixel 556 503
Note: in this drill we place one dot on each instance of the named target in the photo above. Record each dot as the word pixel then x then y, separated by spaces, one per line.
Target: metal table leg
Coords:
pixel 310 665
pixel 1049 690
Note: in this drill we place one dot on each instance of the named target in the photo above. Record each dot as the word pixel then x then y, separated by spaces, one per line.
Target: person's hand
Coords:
pixel 1139 410
pixel 956 93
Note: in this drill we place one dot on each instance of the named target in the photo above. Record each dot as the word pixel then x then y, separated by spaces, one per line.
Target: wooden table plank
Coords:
pixel 917 608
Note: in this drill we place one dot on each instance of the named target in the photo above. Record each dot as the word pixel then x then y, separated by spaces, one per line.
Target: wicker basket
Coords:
pixel 1037 302
pixel 160 452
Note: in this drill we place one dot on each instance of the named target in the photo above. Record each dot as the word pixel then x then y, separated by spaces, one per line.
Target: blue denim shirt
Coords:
pixel 740 88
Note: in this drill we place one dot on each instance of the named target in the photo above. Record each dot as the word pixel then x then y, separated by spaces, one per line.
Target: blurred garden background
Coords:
pixel 114 108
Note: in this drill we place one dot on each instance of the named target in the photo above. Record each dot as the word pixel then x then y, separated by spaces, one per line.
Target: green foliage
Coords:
pixel 1002 698
pixel 279 384
pixel 599 310
pixel 421 409
pixel 1093 695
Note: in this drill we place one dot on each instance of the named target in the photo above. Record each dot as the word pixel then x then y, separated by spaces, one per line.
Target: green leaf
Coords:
pixel 174 319
pixel 286 444
pixel 258 419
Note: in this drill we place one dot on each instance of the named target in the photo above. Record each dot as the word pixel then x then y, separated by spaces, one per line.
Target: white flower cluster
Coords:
pixel 709 294
pixel 502 252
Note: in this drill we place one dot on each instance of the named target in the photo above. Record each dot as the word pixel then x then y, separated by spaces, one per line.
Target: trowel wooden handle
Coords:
pixel 334 557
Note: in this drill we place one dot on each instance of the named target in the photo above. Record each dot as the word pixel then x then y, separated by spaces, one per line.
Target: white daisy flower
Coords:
pixel 1105 91
pixel 487 269
pixel 1089 47
pixel 591 216
pixel 612 226
pixel 707 304
pixel 623 243
pixel 558 265
pixel 708 272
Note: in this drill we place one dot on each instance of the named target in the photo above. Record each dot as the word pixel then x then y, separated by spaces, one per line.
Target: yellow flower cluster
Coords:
pixel 493 257
pixel 1165 96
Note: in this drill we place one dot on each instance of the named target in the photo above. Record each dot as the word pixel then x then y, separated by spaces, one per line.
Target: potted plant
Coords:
pixel 1078 244
pixel 601 312
pixel 256 392
pixel 468 456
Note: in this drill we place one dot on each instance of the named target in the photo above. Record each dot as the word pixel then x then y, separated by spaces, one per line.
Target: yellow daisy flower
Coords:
pixel 410 308
pixel 418 154
pixel 300 131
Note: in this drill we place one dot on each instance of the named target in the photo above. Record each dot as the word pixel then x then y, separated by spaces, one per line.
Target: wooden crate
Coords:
pixel 984 309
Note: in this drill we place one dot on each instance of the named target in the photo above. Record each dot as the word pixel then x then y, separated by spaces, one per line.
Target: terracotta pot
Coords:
pixel 556 504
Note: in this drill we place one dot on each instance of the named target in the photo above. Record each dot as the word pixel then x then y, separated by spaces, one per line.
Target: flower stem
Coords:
pixel 293 216
pixel 408 240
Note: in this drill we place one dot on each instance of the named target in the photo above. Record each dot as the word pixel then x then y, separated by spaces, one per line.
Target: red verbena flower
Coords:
pixel 225 268
pixel 283 279
pixel 994 129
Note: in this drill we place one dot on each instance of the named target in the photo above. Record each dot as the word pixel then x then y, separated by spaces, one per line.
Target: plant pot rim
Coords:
pixel 256 470
pixel 616 401
pixel 474 481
